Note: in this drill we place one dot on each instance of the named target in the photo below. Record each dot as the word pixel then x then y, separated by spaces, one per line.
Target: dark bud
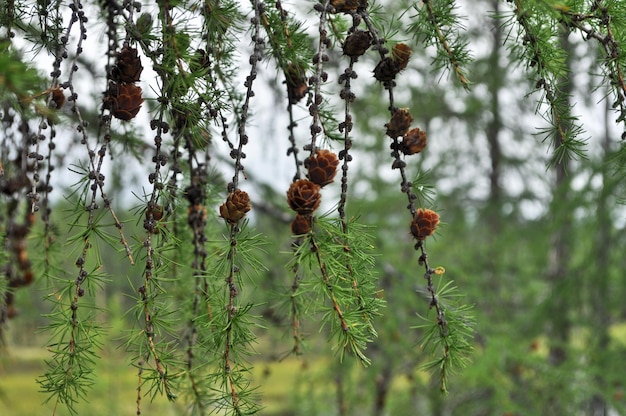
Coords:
pixel 357 43
pixel 386 70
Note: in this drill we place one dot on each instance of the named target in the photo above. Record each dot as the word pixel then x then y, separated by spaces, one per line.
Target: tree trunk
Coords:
pixel 558 319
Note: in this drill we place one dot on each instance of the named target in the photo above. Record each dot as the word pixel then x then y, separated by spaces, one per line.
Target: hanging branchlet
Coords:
pixel 355 45
pixel 407 141
pixel 437 24
pixel 304 195
pixel 322 257
pixel 350 316
pixel 20 159
pixel 541 51
pixel 289 45
pixel 601 23
pixel 235 388
pixel 74 333
pixel 16 266
pixel 319 76
pixel 152 352
pixel 450 337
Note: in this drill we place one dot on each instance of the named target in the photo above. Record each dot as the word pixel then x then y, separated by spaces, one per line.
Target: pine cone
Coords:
pixel 236 206
pixel 301 224
pixel 386 70
pixel 124 100
pixel 424 223
pixel 413 142
pixel 199 61
pixel 304 196
pixel 58 98
pixel 399 124
pixel 127 67
pixel 297 87
pixel 155 211
pixel 357 43
pixel 401 54
pixel 322 167
pixel 346 6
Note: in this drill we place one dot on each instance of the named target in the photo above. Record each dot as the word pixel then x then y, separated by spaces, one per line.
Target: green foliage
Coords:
pixel 335 279
pixel 438 24
pixel 452 343
pixel 213 277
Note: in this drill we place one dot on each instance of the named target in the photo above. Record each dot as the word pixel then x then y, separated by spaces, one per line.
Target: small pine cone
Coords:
pixel 58 98
pixel 297 87
pixel 424 223
pixel 322 167
pixel 301 224
pixel 400 123
pixel 199 61
pixel 347 6
pixel 401 54
pixel 11 311
pixel 304 196
pixel 357 43
pixel 413 142
pixel 154 210
pixel 124 100
pixel 386 70
pixel 127 66
pixel 236 206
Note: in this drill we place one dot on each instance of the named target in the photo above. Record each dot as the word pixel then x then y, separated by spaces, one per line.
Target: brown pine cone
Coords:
pixel 199 61
pixel 386 70
pixel 58 98
pixel 401 54
pixel 413 142
pixel 322 167
pixel 399 124
pixel 424 223
pixel 155 211
pixel 236 206
pixel 127 66
pixel 304 196
pixel 124 100
pixel 357 43
pixel 346 6
pixel 301 224
pixel 297 87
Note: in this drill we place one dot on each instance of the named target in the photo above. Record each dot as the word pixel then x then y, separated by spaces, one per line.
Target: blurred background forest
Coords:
pixel 536 247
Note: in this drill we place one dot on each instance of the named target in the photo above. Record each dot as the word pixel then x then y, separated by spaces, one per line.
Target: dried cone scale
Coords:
pixel 322 167
pixel 236 206
pixel 424 223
